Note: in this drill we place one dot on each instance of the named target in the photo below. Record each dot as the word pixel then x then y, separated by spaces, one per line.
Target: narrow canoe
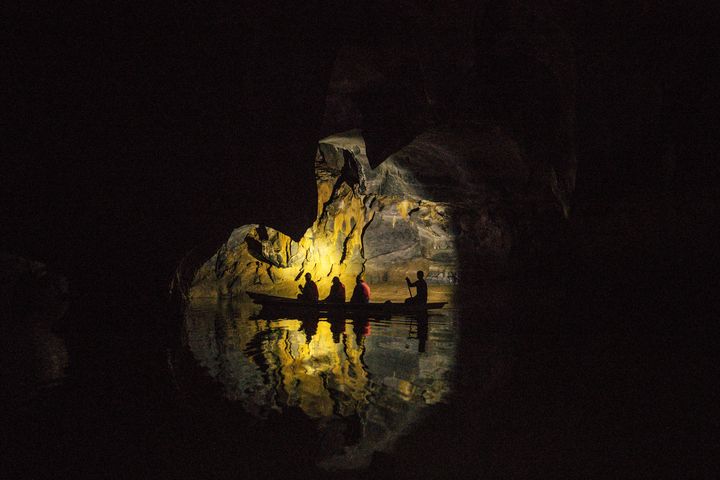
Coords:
pixel 386 307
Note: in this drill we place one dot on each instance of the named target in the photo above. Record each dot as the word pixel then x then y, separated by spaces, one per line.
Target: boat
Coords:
pixel 373 308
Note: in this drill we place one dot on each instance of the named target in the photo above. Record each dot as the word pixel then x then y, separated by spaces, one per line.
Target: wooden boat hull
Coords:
pixel 282 303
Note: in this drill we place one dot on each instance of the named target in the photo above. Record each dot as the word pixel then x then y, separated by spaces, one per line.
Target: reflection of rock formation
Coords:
pixel 363 390
pixel 405 215
pixel 321 377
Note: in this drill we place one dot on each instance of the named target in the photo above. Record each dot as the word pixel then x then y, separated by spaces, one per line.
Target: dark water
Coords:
pixel 362 381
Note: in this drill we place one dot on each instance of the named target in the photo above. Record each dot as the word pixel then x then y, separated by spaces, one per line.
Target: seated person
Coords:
pixel 421 286
pixel 337 292
pixel 361 293
pixel 309 292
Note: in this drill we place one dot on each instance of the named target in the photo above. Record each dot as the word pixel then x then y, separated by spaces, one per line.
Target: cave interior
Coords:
pixel 555 161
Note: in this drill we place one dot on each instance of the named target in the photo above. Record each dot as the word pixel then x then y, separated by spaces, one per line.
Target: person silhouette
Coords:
pixel 361 293
pixel 421 286
pixel 337 292
pixel 309 292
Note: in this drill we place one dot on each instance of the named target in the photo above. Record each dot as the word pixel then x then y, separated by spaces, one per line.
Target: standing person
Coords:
pixel 361 293
pixel 337 292
pixel 421 286
pixel 309 292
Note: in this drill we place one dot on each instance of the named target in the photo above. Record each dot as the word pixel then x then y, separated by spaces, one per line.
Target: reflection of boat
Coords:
pixel 386 308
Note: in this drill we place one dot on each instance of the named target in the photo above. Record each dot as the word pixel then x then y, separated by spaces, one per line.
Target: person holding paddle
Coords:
pixel 421 286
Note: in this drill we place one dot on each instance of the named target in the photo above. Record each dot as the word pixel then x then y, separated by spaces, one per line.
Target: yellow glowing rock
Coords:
pixel 362 225
pixel 403 207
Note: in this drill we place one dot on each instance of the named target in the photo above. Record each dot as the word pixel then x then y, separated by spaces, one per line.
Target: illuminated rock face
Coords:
pixel 446 192
pixel 376 222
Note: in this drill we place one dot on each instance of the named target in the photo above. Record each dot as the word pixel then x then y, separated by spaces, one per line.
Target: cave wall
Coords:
pixel 138 126
pixel 375 222
pixel 448 191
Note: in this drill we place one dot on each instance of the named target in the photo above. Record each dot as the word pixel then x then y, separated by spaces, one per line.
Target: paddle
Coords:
pixel 407 280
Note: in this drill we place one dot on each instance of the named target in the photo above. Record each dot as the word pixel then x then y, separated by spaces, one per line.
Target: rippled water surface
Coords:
pixel 364 381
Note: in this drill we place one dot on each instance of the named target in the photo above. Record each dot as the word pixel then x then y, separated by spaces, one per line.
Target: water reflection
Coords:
pixel 364 381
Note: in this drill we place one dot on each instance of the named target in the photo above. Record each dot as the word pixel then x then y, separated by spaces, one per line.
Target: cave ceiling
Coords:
pixel 396 70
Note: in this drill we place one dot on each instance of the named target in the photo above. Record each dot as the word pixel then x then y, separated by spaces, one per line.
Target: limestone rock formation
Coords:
pixel 410 213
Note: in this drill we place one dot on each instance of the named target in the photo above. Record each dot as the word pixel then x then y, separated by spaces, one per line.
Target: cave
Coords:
pixel 549 166
pixel 375 222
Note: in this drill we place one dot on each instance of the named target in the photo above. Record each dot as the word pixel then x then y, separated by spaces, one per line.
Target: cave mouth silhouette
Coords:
pixel 401 212
pixel 126 329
